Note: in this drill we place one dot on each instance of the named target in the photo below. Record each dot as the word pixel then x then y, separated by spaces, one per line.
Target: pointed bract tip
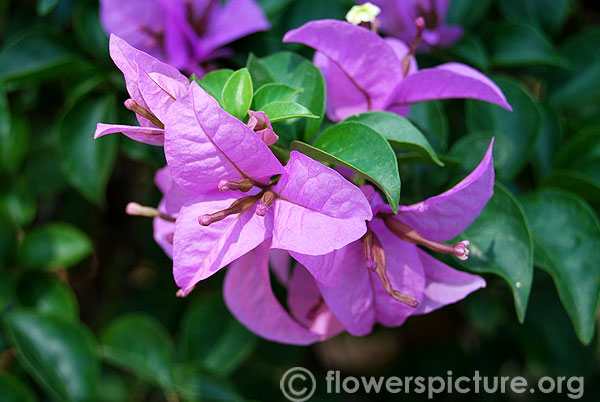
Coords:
pixel 184 292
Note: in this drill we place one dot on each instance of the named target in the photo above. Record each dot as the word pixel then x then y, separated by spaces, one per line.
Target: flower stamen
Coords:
pixel 135 107
pixel 265 203
pixel 135 209
pixel 238 206
pixel 408 234
pixel 420 24
pixel 243 185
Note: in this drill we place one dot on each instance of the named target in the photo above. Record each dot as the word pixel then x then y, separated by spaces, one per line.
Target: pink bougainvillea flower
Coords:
pixel 226 170
pixel 153 87
pixel 249 296
pixel 183 33
pixel 365 72
pixel 398 17
pixel 384 277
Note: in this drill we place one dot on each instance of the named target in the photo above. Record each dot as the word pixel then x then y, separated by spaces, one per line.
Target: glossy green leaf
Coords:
pixel 237 93
pixel 578 86
pixel 567 245
pixel 88 31
pixel 13 390
pixel 431 118
pixel 195 383
pixel 259 73
pixel 518 127
pixel 283 110
pixel 517 44
pixel 399 131
pixel 501 244
pixel 272 93
pixel 5 123
pixel 7 288
pixel 33 58
pixel 548 14
pixel 58 353
pixel 214 82
pixel 54 246
pixel 220 348
pixel 141 345
pixel 345 144
pixel 290 69
pixel 8 239
pixel 469 150
pixel 88 163
pixel 576 182
pixel 47 294
pixel 20 204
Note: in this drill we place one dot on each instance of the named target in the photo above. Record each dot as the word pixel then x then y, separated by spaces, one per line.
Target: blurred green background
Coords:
pixel 87 299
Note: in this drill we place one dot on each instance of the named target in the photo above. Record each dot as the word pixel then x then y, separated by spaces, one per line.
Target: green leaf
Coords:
pixel 7 290
pixel 501 244
pixel 19 203
pixel 272 93
pixel 88 31
pixel 15 144
pixel 290 69
pixel 470 149
pixel 573 181
pixel 6 133
pixel 547 14
pixel 282 110
pixel 194 383
pixel 237 93
pixel 8 239
pixel 518 127
pixel 220 348
pixel 399 132
pixel 579 86
pixel 431 118
pixel 87 163
pixel 567 246
pixel 473 51
pixel 45 7
pixel 141 345
pixel 58 353
pixel 468 12
pixel 548 141
pixel 47 294
pixel 33 58
pixel 54 246
pixel 214 82
pixel 13 390
pixel 259 73
pixel 344 145
pixel 516 44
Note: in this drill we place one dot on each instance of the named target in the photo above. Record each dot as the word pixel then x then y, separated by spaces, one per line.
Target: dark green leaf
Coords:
pixel 88 31
pixel 470 149
pixel 567 245
pixel 47 294
pixel 88 163
pixel 272 93
pixel 290 69
pixel 140 344
pixel 580 85
pixel 194 383
pixel 399 132
pixel 548 140
pixel 283 110
pixel 516 44
pixel 472 50
pixel 220 348
pixel 54 246
pixel 15 145
pixel 501 244
pixel 19 204
pixel 519 127
pixel 431 118
pixel 44 7
pixel 214 82
pixel 345 144
pixel 237 93
pixel 13 390
pixel 547 14
pixel 58 353
pixel 34 57
pixel 468 12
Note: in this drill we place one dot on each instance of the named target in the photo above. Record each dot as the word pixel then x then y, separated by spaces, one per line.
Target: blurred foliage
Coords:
pixel 87 299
